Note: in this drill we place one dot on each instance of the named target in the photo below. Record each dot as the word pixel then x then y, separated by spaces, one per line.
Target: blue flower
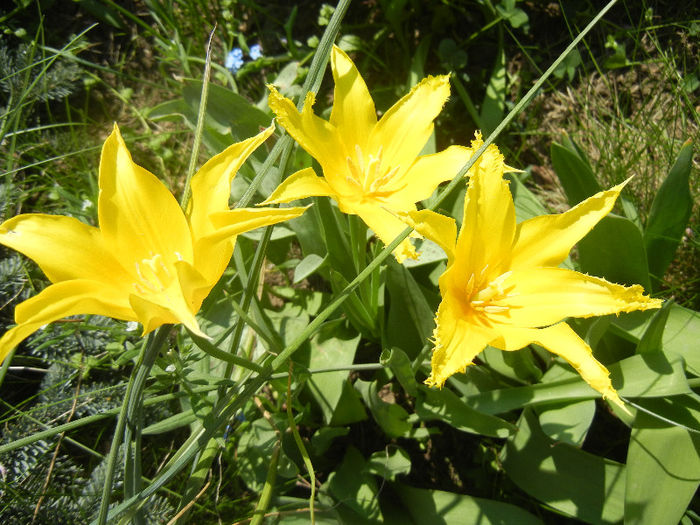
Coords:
pixel 234 59
pixel 255 51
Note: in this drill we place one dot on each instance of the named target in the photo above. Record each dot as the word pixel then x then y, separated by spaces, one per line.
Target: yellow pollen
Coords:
pixel 153 275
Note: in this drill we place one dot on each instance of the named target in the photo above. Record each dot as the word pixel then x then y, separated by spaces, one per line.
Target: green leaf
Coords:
pixel 567 423
pixel 307 266
pixel 331 348
pixel 574 172
pixel 681 333
pixel 436 507
pixel 170 423
pixel 389 463
pixel 614 249
pixel 391 417
pixel 324 436
pixel 493 106
pixel 410 318
pixel 518 365
pixel 582 485
pixel 399 363
pixel 652 340
pixel 663 471
pixel 653 374
pixel 527 205
pixel 650 375
pixel 444 405
pixel 669 214
pixel 354 489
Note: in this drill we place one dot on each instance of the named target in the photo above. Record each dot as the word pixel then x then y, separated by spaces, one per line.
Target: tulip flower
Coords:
pixel 370 168
pixel 148 261
pixel 503 287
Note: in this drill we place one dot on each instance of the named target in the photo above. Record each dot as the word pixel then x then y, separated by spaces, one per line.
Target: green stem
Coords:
pixel 266 494
pixel 130 413
pixel 199 130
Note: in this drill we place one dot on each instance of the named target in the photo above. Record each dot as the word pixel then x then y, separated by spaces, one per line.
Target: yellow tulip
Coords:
pixel 147 261
pixel 371 168
pixel 503 287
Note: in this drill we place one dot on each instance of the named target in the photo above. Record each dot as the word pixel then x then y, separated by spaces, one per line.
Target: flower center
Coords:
pixel 369 176
pixel 481 294
pixel 153 274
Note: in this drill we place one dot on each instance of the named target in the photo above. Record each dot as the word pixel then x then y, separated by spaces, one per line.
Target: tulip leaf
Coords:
pixel 389 463
pixel 444 405
pixel 669 214
pixel 569 422
pixel 307 266
pixel 663 471
pixel 493 105
pixel 574 172
pixel 410 318
pixel 614 249
pixel 354 489
pixel 650 375
pixel 582 485
pixel 443 508
pixel 680 336
pixel 331 390
pixel 392 418
pixel 400 364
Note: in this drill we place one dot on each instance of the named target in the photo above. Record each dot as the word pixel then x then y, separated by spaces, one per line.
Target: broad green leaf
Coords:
pixel 681 411
pixel 428 253
pixel 230 117
pixel 444 405
pixel 255 446
pixel 582 485
pixel 652 340
pixel 518 365
pixel 436 507
pixel 410 318
pixel 391 417
pixel 399 363
pixel 669 214
pixel 650 375
pixel 663 471
pixel 331 348
pixel 614 249
pixel 324 436
pixel 681 333
pixel 567 423
pixel 307 266
pixel 354 489
pixel 527 205
pixel 389 463
pixel 574 172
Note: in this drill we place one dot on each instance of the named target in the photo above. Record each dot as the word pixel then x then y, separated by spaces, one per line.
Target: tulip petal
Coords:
pixel 211 185
pixel 234 222
pixel 404 129
pixel 547 240
pixel 61 300
pixel 299 185
pixel 63 247
pixel 543 296
pixel 353 110
pixel 139 217
pixel 457 343
pixel 561 340
pixel 387 227
pixel 318 137
pixel 486 236
pixel 420 181
pixel 438 228
pixel 167 308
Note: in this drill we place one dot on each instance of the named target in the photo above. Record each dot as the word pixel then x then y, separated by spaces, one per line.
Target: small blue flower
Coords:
pixel 234 59
pixel 255 51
